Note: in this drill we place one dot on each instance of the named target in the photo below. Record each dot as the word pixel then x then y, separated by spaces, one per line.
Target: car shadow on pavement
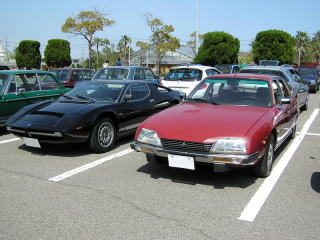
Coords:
pixel 315 181
pixel 69 150
pixel 3 131
pixel 204 175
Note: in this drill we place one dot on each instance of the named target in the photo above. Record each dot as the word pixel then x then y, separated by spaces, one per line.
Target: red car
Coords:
pixel 228 120
pixel 70 76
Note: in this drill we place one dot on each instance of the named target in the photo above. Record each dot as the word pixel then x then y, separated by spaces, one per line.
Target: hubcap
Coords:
pixel 105 134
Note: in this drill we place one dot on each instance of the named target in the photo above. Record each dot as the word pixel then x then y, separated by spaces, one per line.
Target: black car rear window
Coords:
pixel 183 74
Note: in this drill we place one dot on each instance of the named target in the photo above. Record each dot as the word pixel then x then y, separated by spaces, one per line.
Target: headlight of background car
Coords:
pixel 312 81
pixel 149 137
pixel 229 145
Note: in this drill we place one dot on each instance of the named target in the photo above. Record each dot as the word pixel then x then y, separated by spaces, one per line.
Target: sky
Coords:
pixel 41 20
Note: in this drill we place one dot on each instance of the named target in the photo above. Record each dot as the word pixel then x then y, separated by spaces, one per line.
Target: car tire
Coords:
pixel 294 131
pixel 103 136
pixel 154 159
pixel 264 166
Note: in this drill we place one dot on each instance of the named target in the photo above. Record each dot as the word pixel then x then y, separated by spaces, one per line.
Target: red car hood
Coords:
pixel 197 122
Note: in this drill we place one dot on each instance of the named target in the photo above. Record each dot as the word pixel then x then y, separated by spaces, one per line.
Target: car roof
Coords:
pixel 126 67
pixel 270 67
pixel 71 69
pixel 194 66
pixel 126 82
pixel 249 76
pixel 22 71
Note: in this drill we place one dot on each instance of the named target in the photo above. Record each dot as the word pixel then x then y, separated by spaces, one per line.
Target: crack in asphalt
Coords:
pixel 133 205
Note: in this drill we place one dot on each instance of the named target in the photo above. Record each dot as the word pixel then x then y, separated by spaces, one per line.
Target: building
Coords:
pixel 183 55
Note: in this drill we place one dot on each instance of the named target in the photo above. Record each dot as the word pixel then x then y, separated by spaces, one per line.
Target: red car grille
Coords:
pixel 182 146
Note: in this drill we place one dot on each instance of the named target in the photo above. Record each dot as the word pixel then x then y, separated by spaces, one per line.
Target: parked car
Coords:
pixel 228 68
pixel 4 67
pixel 96 112
pixel 311 76
pixel 269 62
pixel 70 76
pixel 23 87
pixel 227 121
pixel 288 73
pixel 127 73
pixel 185 78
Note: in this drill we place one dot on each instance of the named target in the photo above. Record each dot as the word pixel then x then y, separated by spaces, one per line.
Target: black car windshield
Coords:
pixel 307 72
pixel 3 81
pixel 99 92
pixel 183 74
pixel 112 74
pixel 232 91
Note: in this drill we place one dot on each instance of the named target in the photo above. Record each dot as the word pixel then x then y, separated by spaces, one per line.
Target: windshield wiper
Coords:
pixel 89 99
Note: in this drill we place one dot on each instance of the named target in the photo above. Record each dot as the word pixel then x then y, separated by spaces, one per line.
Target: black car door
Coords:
pixel 135 106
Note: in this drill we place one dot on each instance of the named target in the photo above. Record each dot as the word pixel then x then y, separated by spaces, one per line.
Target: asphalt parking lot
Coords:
pixel 65 192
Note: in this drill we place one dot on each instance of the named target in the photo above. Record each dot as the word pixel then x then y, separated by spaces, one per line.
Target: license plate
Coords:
pixel 32 142
pixel 181 161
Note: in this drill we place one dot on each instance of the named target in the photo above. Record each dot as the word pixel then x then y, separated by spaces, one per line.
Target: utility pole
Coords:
pixel 197 24
pixel 7 50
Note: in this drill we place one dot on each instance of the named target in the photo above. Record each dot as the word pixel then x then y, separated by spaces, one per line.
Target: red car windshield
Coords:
pixel 232 91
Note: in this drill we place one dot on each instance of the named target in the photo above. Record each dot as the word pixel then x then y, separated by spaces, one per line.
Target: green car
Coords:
pixel 19 88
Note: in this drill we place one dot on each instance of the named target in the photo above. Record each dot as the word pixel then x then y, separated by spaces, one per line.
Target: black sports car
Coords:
pixel 96 112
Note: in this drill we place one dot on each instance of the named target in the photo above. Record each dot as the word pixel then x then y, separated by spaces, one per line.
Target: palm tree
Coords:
pixel 301 43
pixel 315 46
pixel 124 46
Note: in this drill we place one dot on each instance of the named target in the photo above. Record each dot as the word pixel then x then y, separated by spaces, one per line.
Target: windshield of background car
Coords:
pixel 62 75
pixel 264 71
pixel 100 92
pixel 112 74
pixel 232 91
pixel 224 68
pixel 307 72
pixel 3 81
pixel 184 74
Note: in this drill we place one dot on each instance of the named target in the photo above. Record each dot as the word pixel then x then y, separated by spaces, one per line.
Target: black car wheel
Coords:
pixel 264 166
pixel 103 136
pixel 293 132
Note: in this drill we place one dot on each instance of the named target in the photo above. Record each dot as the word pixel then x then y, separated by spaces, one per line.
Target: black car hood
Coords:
pixel 49 116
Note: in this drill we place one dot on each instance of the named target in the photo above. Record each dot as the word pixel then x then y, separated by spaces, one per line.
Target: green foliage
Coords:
pixel 218 48
pixel 28 54
pixel 273 45
pixel 161 39
pixel 86 24
pixel 57 53
pixel 144 47
pixel 192 43
pixel 315 46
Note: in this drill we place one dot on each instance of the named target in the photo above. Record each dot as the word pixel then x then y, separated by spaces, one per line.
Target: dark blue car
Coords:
pixel 311 76
pixel 126 73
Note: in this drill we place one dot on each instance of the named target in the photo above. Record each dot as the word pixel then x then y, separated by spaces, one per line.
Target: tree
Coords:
pixel 192 42
pixel 57 53
pixel 161 39
pixel 28 54
pixel 301 44
pixel 144 48
pixel 315 46
pixel 218 48
pixel 86 24
pixel 273 45
pixel 99 42
pixel 124 48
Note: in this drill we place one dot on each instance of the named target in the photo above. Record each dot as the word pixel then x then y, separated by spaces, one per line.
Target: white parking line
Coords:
pixel 88 166
pixel 313 134
pixel 9 140
pixel 255 204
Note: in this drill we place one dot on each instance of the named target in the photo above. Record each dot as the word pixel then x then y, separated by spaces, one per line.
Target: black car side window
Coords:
pixel 138 91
